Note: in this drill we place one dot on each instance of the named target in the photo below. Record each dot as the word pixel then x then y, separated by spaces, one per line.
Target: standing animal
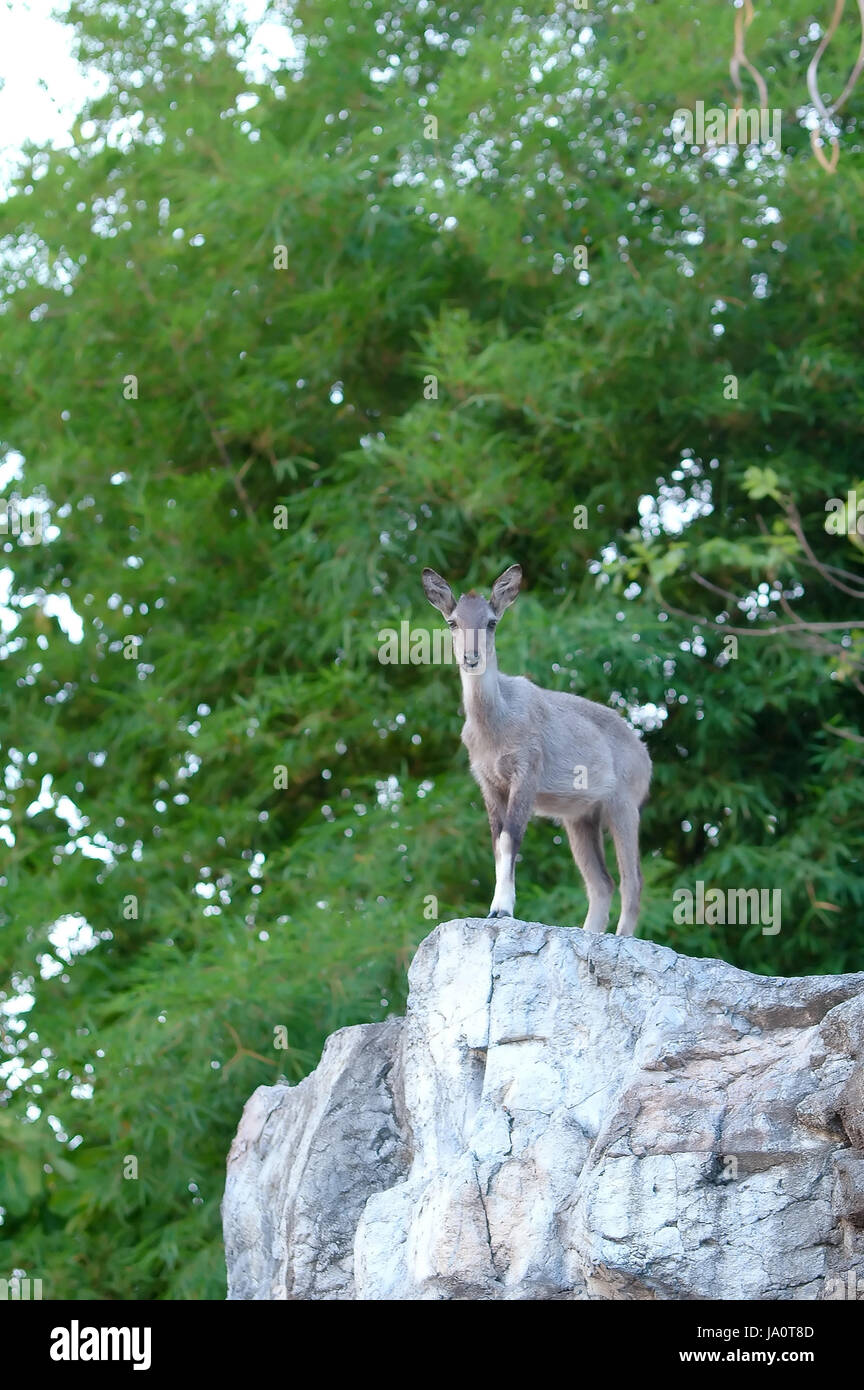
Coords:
pixel 547 753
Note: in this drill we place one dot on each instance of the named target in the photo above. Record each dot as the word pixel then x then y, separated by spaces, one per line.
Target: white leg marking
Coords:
pixel 505 880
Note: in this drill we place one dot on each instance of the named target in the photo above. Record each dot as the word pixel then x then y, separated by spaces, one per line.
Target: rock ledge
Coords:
pixel 564 1116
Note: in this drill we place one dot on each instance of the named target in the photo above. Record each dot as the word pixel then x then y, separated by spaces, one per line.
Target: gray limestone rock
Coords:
pixel 563 1116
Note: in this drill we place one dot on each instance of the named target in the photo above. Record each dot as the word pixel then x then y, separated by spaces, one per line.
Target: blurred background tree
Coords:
pixel 445 286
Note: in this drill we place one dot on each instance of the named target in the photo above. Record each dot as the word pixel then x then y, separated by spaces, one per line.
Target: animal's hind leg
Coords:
pixel 624 825
pixel 586 842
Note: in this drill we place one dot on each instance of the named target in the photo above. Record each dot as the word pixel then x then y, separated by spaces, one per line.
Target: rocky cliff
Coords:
pixel 564 1116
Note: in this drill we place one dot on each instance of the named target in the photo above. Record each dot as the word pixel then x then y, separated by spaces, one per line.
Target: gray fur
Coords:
pixel 525 745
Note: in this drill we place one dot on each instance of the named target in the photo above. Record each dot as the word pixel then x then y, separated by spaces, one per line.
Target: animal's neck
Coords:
pixel 481 694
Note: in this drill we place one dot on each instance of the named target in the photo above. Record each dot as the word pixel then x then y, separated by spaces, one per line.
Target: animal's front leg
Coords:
pixel 519 807
pixel 496 808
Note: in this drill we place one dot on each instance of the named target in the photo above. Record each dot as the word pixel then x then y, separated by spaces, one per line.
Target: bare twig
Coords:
pixel 843 733
pixel 824 112
pixel 743 19
pixel 827 571
pixel 800 624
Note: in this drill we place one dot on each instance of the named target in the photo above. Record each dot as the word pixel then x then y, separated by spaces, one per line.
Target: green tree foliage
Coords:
pixel 274 340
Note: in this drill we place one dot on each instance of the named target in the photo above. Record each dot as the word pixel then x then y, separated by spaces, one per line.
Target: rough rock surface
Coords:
pixel 564 1116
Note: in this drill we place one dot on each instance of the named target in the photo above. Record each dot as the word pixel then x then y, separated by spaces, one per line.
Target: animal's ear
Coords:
pixel 438 592
pixel 505 589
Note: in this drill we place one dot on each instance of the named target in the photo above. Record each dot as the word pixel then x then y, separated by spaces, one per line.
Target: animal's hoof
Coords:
pixel 499 913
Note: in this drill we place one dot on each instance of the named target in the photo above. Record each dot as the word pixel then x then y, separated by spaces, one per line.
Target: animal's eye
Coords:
pixel 451 622
pixel 493 624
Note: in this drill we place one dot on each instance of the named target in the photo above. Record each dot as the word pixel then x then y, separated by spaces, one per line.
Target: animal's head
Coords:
pixel 473 619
